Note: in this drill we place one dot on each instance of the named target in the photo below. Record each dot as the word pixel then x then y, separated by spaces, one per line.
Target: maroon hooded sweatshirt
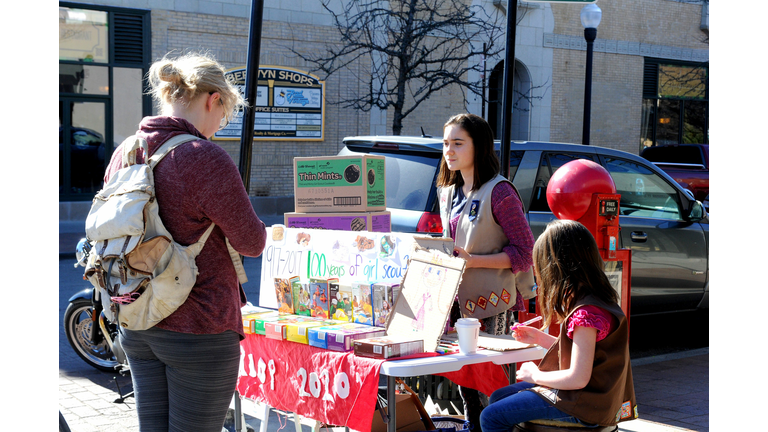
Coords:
pixel 198 183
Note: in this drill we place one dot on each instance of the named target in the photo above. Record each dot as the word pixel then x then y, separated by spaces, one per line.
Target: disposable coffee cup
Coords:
pixel 468 330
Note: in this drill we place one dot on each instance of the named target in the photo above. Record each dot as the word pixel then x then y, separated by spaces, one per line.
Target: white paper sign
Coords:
pixel 347 255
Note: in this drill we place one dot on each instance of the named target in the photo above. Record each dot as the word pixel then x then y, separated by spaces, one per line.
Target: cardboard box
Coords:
pixel 278 329
pixel 260 322
pixel 408 416
pixel 341 306
pixel 387 347
pixel 362 309
pixel 301 299
pixel 284 295
pixel 320 295
pixel 352 183
pixel 249 320
pixel 367 221
pixel 299 331
pixel 339 337
pixel 384 298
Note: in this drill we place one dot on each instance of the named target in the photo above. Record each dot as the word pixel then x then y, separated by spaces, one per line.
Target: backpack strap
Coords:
pixel 237 261
pixel 156 158
pixel 130 146
pixel 168 146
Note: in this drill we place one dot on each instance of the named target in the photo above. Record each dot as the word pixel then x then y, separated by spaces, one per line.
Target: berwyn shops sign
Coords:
pixel 289 105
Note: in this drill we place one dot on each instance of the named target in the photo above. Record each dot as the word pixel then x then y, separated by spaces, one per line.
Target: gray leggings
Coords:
pixel 182 382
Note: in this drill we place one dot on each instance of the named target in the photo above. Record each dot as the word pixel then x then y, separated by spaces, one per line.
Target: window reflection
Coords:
pixel 83 79
pixel 643 193
pixel 87 148
pixel 83 35
pixel 668 126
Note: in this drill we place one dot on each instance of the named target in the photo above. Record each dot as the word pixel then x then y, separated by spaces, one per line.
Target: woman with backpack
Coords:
pixel 184 369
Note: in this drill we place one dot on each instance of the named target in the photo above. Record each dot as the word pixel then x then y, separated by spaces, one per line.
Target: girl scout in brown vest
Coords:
pixel 585 377
pixel 482 212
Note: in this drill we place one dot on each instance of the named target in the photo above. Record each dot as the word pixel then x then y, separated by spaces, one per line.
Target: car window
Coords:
pixel 514 161
pixel 410 179
pixel 550 162
pixel 643 192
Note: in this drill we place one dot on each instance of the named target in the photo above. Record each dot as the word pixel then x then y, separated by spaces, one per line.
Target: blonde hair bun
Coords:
pixel 181 79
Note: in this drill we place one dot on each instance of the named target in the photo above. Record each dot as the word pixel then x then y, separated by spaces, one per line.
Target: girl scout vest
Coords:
pixel 609 397
pixel 483 292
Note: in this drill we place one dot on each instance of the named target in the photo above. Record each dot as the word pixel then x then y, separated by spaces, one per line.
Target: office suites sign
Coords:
pixel 289 105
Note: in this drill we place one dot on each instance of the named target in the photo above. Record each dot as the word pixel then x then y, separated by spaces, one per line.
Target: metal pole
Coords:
pixel 482 77
pixel 589 34
pixel 509 69
pixel 251 78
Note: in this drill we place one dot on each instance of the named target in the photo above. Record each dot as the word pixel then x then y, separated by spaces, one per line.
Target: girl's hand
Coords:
pixel 461 253
pixel 526 372
pixel 526 334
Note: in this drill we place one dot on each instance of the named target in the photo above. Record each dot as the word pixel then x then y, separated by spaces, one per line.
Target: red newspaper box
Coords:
pixel 584 191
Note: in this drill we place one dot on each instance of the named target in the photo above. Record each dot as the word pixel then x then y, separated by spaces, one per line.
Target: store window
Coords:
pixel 103 57
pixel 675 103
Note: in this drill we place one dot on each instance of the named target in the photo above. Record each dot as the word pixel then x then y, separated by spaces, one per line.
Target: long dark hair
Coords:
pixel 486 162
pixel 569 267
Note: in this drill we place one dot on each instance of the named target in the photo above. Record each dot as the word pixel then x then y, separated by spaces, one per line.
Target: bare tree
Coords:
pixel 415 48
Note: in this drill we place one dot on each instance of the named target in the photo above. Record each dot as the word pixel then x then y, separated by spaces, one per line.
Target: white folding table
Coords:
pixel 449 363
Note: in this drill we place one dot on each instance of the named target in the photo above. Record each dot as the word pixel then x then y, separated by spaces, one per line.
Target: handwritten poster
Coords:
pixel 429 289
pixel 350 256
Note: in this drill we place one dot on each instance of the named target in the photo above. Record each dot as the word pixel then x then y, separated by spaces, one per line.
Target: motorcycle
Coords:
pixel 93 337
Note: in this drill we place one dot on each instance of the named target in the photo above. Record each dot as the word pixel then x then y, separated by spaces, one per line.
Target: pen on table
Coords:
pixel 529 322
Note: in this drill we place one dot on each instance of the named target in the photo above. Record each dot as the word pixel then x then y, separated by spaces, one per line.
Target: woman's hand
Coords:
pixel 498 260
pixel 526 372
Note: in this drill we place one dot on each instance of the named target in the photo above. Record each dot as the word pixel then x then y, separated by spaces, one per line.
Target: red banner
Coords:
pixel 332 387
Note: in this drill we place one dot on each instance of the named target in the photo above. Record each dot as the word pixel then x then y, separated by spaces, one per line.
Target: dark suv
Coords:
pixel 667 231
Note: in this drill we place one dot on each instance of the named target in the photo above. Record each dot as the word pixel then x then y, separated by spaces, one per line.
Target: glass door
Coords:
pixel 83 152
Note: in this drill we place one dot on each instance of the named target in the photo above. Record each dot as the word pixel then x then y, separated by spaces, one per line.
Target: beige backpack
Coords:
pixel 141 274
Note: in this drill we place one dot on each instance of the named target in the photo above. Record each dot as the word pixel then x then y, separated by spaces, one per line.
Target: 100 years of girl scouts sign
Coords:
pixel 289 105
pixel 350 256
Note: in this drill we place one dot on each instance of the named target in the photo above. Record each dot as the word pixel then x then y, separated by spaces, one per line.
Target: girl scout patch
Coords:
pixel 505 296
pixel 470 305
pixel 473 209
pixel 482 302
pixel 625 411
pixel 493 298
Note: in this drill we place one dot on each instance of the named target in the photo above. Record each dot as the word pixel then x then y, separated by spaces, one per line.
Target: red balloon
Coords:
pixel 570 189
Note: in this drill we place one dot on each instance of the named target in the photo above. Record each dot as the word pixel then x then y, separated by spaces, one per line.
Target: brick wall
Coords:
pixel 227 39
pixel 617 79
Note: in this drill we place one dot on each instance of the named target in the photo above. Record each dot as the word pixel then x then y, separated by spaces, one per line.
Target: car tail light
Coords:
pixel 430 223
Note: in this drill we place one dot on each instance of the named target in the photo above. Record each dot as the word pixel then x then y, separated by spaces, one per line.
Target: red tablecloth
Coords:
pixel 332 387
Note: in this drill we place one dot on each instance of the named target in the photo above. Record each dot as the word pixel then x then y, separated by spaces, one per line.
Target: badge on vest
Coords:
pixel 625 411
pixel 474 208
pixel 470 305
pixel 505 296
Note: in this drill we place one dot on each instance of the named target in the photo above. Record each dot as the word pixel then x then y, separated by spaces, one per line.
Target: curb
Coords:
pixel 671 356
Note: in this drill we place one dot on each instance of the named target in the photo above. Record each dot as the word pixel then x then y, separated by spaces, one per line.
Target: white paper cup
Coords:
pixel 468 330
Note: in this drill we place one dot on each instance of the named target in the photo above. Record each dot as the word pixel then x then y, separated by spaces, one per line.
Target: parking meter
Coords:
pixel 584 191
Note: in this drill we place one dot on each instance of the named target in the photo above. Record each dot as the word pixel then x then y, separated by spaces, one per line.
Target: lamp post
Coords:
pixel 590 19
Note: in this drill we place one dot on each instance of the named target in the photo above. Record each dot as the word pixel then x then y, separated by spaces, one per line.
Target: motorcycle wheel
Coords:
pixel 77 326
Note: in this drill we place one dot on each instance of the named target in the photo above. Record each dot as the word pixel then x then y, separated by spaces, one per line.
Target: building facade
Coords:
pixel 106 47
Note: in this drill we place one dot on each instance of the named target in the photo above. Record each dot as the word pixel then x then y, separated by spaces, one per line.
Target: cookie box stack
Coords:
pixel 343 193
